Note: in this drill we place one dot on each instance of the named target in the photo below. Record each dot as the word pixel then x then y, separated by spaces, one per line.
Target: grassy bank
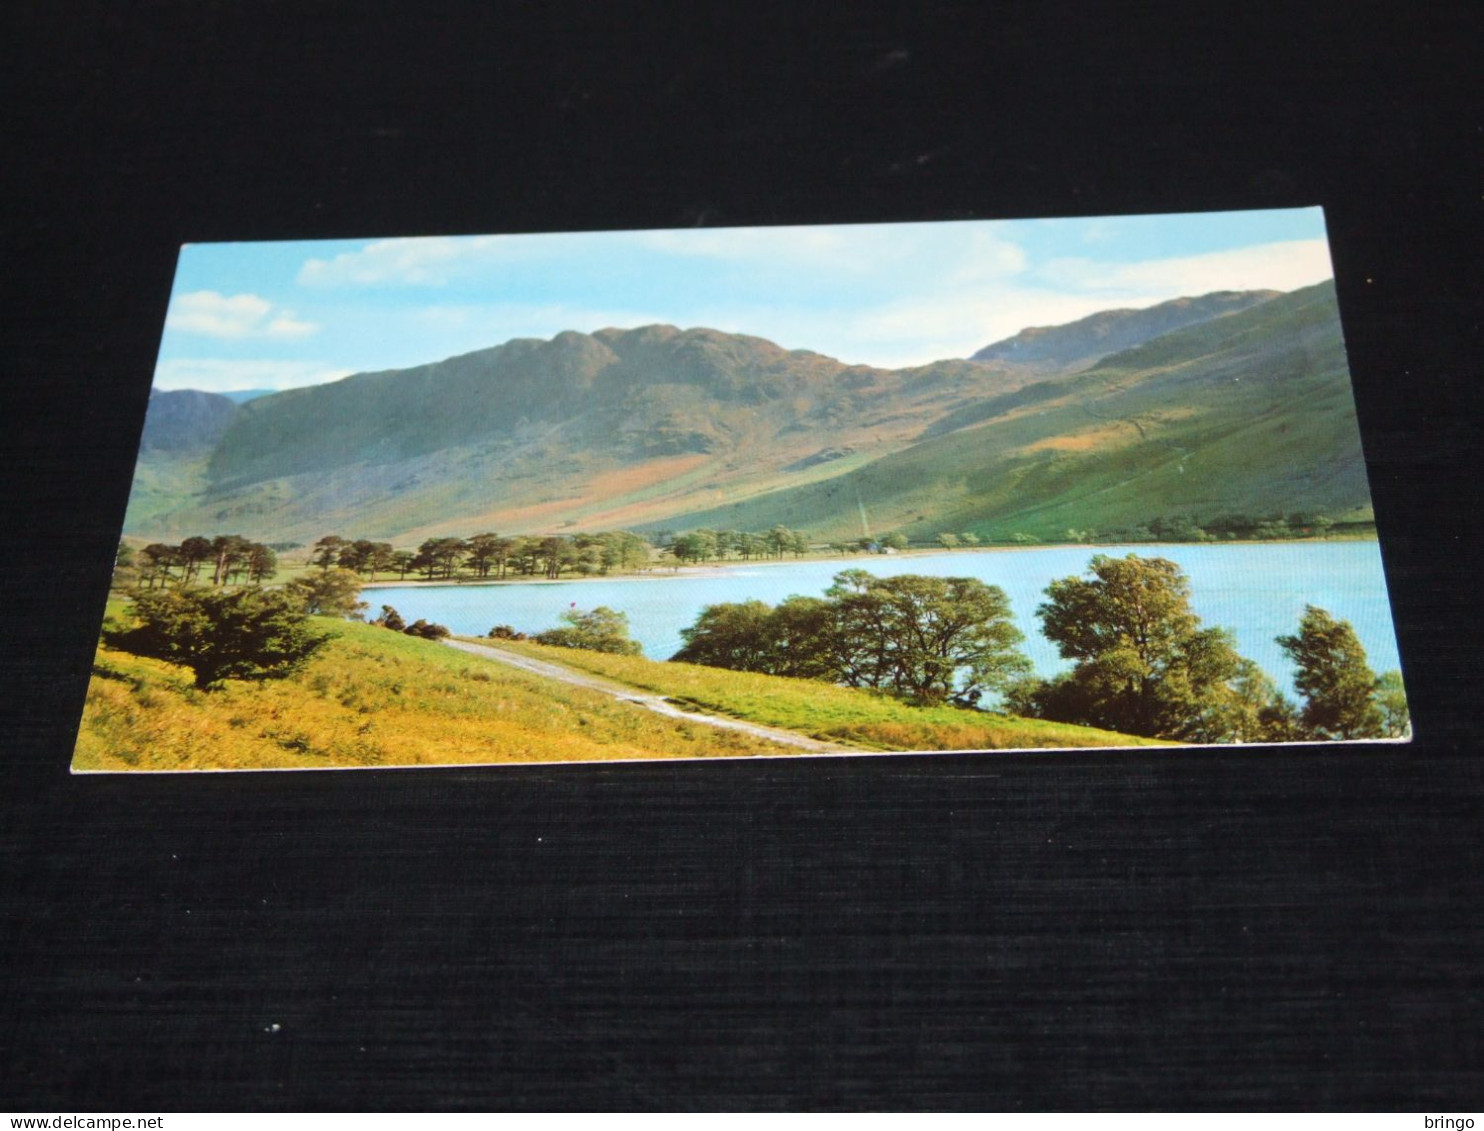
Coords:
pixel 833 714
pixel 371 698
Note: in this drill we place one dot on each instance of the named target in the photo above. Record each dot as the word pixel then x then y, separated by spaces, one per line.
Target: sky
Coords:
pixel 278 315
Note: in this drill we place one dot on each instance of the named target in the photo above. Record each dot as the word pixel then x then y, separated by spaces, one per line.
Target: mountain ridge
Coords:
pixel 1086 340
pixel 659 426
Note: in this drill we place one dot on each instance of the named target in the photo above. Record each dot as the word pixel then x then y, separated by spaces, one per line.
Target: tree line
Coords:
pixel 231 557
pixel 1142 661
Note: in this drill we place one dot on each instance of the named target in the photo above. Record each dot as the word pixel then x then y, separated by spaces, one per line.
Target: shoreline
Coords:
pixel 729 569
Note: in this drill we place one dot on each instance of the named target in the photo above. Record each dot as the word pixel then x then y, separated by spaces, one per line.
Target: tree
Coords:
pixel 228 552
pixel 555 552
pixel 426 630
pixel 194 552
pixel 155 561
pixel 925 638
pixel 895 541
pixel 381 556
pixel 262 563
pixel 731 635
pixel 330 593
pixel 1391 697
pixel 483 552
pixel 439 557
pixel 601 630
pixel 1144 664
pixel 249 634
pixel 689 547
pixel 1338 686
pixel 623 550
pixel 327 550
pixel 779 539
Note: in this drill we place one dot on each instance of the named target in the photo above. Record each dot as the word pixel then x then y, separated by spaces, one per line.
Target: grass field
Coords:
pixel 371 698
pixel 854 716
pixel 377 698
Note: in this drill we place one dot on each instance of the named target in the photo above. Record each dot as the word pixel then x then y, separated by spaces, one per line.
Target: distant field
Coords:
pixel 371 698
pixel 833 714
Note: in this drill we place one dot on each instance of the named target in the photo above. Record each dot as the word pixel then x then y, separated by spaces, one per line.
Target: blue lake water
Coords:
pixel 1258 590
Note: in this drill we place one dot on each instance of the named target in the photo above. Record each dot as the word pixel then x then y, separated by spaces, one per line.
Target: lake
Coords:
pixel 1258 590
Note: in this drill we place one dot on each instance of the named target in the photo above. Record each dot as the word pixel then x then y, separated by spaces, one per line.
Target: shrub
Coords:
pixel 602 630
pixel 247 634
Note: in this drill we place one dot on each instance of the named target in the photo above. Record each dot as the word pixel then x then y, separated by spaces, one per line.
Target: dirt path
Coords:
pixel 645 699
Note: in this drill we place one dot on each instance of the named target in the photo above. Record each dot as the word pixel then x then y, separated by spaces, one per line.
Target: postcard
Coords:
pixel 755 492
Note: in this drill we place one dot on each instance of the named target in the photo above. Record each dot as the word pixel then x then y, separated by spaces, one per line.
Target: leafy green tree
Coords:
pixel 404 562
pixel 330 593
pixel 1144 664
pixel 555 552
pixel 623 550
pixel 483 552
pixel 262 563
pixel 1337 684
pixel 779 539
pixel 689 547
pixel 926 638
pixel 155 562
pixel 228 552
pixel 923 638
pixel 439 557
pixel 327 551
pixel 737 636
pixel 1391 697
pixel 948 541
pixel 249 634
pixel 897 541
pixel 195 551
pixel 525 555
pixel 600 630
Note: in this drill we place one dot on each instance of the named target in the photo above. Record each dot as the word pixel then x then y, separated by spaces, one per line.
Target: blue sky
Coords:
pixel 284 314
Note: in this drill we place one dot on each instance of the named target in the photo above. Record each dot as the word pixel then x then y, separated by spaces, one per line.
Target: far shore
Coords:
pixel 730 568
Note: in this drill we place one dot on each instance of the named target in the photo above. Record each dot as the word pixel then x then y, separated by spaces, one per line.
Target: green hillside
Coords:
pixel 609 429
pixel 1251 413
pixel 1247 411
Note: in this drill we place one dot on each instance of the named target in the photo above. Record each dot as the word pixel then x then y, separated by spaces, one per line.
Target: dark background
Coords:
pixel 1292 928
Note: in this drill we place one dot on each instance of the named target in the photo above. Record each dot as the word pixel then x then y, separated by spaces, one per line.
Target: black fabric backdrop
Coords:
pixel 1246 928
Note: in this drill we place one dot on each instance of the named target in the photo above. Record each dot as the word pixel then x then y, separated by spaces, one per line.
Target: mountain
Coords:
pixel 662 427
pixel 185 420
pixel 1250 413
pixel 1079 344
pixel 603 429
pixel 242 396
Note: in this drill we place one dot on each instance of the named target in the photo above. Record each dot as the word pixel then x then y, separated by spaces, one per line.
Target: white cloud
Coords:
pixel 234 317
pixel 420 261
pixel 215 375
pixel 1276 266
